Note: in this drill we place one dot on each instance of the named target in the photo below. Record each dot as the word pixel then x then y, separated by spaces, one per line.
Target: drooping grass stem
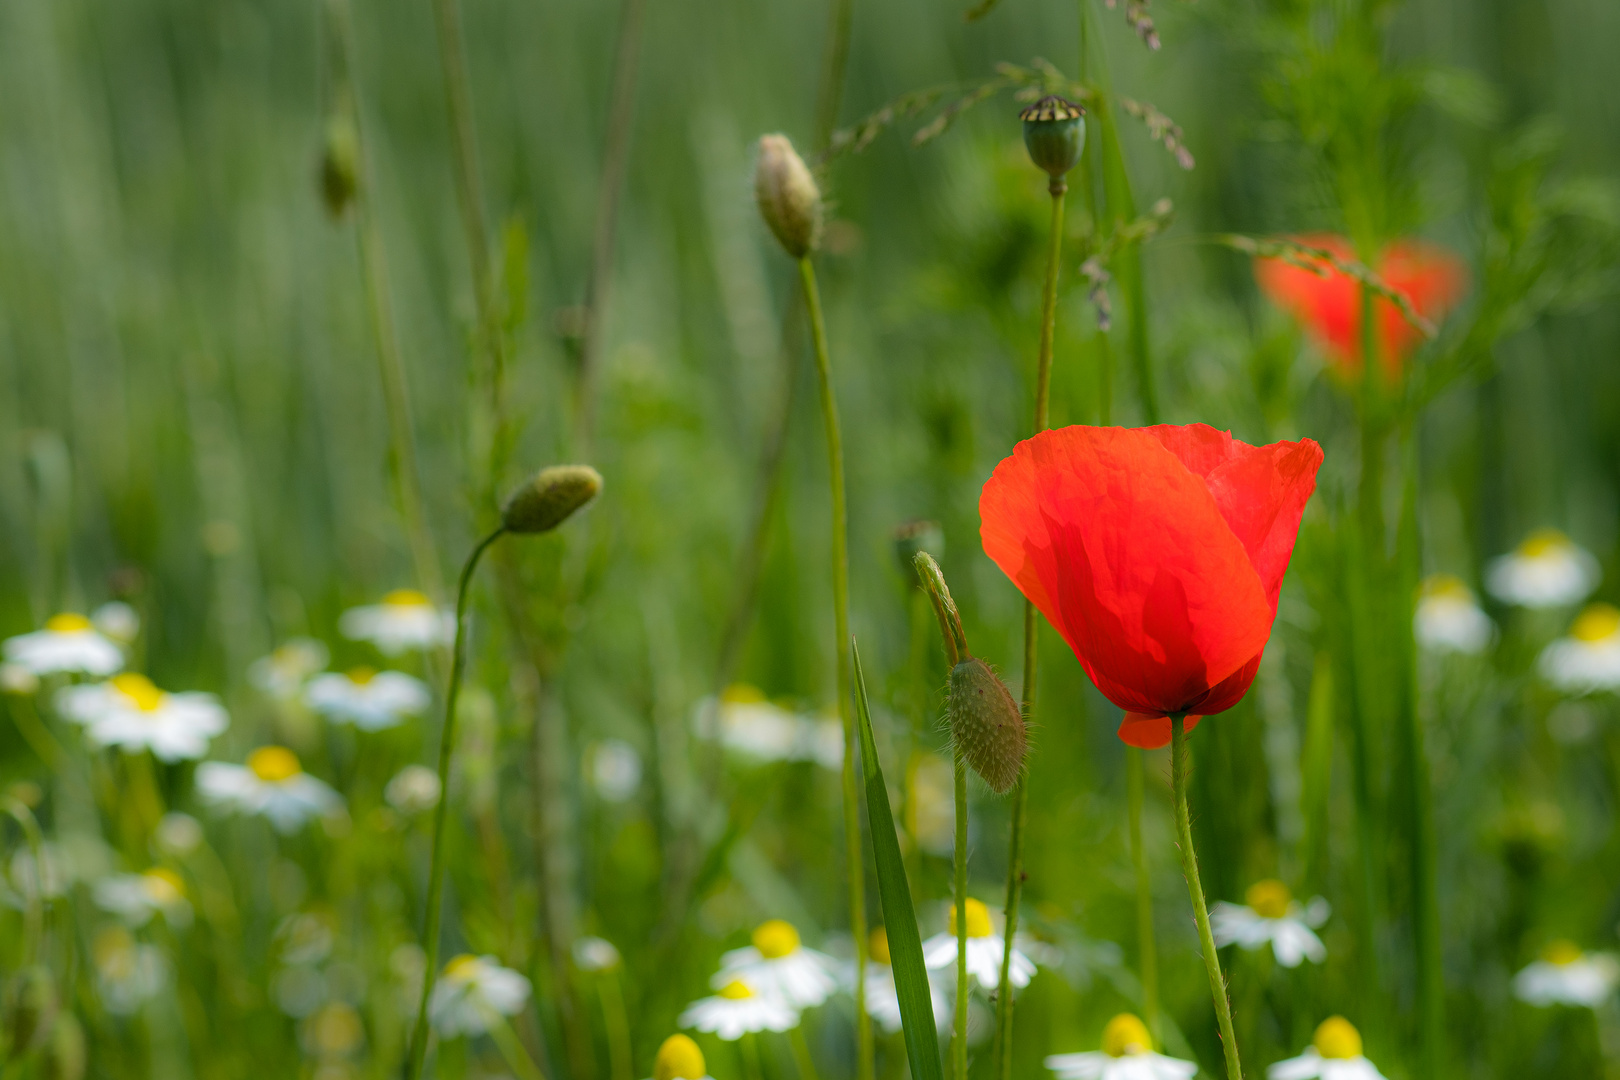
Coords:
pixel 1015 843
pixel 1147 945
pixel 1195 889
pixel 441 812
pixel 840 569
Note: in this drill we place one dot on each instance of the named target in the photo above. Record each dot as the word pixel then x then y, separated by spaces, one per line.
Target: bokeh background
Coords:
pixel 192 421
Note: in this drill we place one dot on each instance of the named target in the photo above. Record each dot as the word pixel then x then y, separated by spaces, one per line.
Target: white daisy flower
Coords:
pixel 127 711
pixel 1567 976
pixel 1547 570
pixel 413 790
pixel 1448 619
pixel 1334 1054
pixel 68 644
pixel 473 993
pixel 135 898
pixel 272 784
pixel 177 834
pixel 777 965
pixel 283 673
pixel 370 700
pixel 755 727
pixel 117 620
pixel 405 620
pixel 882 996
pixel 1271 915
pixel 596 954
pixel 614 767
pixel 1127 1054
pixel 738 1009
pixel 984 949
pixel 680 1059
pixel 128 973
pixel 17 679
pixel 1588 660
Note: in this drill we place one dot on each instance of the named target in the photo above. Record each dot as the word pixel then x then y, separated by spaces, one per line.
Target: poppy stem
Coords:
pixel 1189 868
pixel 840 559
pixel 447 744
pixel 1147 960
pixel 959 1029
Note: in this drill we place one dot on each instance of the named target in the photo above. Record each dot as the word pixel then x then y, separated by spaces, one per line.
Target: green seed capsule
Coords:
pixel 986 724
pixel 1054 134
pixel 550 498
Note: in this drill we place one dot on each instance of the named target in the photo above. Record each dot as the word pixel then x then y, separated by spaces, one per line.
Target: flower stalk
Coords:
pixel 1146 944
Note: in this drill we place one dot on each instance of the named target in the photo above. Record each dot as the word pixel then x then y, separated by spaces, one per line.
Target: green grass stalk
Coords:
pixel 801 1053
pixel 1195 889
pixel 840 573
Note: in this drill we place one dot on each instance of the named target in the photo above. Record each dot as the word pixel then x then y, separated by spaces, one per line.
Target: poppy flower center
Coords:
pixel 1542 543
pixel 679 1059
pixel 1561 952
pixel 138 689
pixel 163 887
pixel 273 764
pixel 362 676
pixel 1269 898
pixel 406 598
pixel 1597 623
pixel 978 919
pixel 462 967
pixel 67 623
pixel 878 946
pixel 1337 1038
pixel 1126 1034
pixel 736 990
pixel 776 939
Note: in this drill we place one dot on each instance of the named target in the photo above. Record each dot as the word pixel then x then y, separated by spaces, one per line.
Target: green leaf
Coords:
pixel 899 917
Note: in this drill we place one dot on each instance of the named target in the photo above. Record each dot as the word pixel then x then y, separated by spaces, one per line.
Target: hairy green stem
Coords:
pixel 959 1039
pixel 1195 889
pixel 840 573
pixel 441 812
pixel 1146 944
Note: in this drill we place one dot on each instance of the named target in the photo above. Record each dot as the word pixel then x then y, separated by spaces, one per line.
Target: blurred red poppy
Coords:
pixel 1157 553
pixel 1431 277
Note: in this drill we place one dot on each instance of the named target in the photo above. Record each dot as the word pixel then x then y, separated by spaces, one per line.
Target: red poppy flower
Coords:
pixel 1430 277
pixel 1156 552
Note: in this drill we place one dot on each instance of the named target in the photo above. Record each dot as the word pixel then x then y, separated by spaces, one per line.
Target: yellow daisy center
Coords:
pixel 736 990
pixel 139 690
pixel 679 1059
pixel 67 623
pixel 1446 587
pixel 461 967
pixel 406 598
pixel 273 764
pixel 163 885
pixel 742 694
pixel 1543 542
pixel 361 676
pixel 1126 1034
pixel 1561 952
pixel 1269 898
pixel 1337 1038
pixel 878 945
pixel 776 939
pixel 1596 623
pixel 978 919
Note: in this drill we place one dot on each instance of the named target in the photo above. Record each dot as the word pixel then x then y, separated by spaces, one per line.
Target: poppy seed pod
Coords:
pixel 550 498
pixel 340 165
pixel 986 724
pixel 789 200
pixel 1054 134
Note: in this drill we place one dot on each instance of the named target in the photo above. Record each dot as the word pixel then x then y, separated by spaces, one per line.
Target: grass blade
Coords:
pixel 899 917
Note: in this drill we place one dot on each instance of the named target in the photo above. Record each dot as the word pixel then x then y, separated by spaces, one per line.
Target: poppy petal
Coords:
pixel 1149 732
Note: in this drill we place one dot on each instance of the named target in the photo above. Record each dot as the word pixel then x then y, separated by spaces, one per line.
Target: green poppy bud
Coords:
pixel 789 200
pixel 550 498
pixel 340 165
pixel 1054 134
pixel 986 724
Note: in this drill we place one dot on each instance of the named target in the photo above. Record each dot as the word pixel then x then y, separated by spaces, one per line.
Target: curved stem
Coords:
pixel 959 1043
pixel 1189 867
pixel 1015 842
pixel 840 559
pixel 447 743
pixel 1147 946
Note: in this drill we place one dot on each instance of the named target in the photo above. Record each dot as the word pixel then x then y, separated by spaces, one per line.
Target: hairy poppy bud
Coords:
pixel 550 498
pixel 1054 134
pixel 789 200
pixel 340 165
pixel 986 724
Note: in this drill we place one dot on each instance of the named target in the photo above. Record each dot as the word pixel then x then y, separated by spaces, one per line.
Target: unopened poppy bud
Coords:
pixel 789 200
pixel 340 165
pixel 550 498
pixel 986 724
pixel 1054 134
